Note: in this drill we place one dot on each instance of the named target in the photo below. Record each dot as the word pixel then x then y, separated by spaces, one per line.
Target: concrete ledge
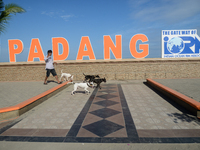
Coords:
pixel 11 112
pixel 152 60
pixel 188 103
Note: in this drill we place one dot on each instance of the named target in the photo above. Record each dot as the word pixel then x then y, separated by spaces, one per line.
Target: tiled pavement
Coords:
pixel 123 112
pixel 13 93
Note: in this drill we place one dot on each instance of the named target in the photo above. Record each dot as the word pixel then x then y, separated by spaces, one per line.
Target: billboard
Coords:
pixel 180 43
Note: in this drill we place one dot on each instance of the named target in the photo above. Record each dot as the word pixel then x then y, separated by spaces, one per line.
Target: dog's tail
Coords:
pixel 83 74
pixel 61 71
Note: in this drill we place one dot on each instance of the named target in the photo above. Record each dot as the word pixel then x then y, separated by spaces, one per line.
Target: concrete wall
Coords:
pixel 110 69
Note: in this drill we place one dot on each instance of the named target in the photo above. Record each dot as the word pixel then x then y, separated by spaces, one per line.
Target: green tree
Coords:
pixel 6 12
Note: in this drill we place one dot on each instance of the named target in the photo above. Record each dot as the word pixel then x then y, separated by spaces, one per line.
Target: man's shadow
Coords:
pixel 49 81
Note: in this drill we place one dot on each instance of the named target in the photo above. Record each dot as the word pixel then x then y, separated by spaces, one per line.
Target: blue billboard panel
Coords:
pixel 180 43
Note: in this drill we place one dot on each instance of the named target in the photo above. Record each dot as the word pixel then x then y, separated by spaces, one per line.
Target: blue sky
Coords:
pixel 73 19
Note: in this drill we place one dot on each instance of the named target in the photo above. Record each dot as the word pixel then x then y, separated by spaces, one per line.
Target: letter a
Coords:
pixel 85 42
pixel 35 44
pixel 109 45
pixel 13 50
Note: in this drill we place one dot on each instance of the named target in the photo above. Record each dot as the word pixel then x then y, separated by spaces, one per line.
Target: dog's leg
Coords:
pixel 75 88
pixel 86 91
pixel 72 92
pixel 97 85
pixel 71 78
pixel 60 77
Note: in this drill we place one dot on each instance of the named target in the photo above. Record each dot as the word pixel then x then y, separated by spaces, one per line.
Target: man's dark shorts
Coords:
pixel 52 71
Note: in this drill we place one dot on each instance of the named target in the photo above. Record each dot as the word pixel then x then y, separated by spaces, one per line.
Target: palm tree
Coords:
pixel 5 14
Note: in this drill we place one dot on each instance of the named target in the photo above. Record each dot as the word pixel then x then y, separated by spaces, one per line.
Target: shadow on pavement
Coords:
pixel 185 116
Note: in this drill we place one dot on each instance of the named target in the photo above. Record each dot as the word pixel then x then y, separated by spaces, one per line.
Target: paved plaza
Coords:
pixel 13 93
pixel 119 112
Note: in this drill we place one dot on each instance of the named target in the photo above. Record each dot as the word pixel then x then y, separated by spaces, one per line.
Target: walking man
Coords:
pixel 50 67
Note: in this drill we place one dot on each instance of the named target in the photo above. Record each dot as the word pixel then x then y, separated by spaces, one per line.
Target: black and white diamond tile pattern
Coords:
pixel 106 96
pixel 106 103
pixel 108 91
pixel 105 112
pixel 105 127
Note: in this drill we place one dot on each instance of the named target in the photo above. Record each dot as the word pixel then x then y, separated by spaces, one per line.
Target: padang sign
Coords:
pixel 15 47
pixel 180 43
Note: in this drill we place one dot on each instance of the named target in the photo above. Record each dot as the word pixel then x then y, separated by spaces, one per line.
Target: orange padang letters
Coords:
pixel 115 48
pixel 12 50
pixel 35 45
pixel 85 42
pixel 15 46
pixel 144 47
pixel 55 44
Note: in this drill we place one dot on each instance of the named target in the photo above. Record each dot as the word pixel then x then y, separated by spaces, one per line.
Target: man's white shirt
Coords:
pixel 49 62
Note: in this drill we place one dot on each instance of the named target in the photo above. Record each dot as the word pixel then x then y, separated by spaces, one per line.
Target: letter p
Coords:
pixel 15 47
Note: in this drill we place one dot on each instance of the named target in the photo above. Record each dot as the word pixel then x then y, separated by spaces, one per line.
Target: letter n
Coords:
pixel 109 45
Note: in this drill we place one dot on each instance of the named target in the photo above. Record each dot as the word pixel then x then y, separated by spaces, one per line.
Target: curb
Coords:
pixel 11 112
pixel 188 103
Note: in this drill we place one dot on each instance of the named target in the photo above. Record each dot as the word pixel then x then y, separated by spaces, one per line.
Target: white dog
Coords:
pixel 66 76
pixel 82 85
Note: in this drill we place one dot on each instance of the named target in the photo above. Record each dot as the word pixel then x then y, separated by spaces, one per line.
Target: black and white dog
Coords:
pixel 90 77
pixel 98 81
pixel 82 85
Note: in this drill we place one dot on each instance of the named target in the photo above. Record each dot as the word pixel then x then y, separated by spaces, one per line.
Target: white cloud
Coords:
pixel 169 11
pixel 60 14
pixel 50 14
pixel 66 17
